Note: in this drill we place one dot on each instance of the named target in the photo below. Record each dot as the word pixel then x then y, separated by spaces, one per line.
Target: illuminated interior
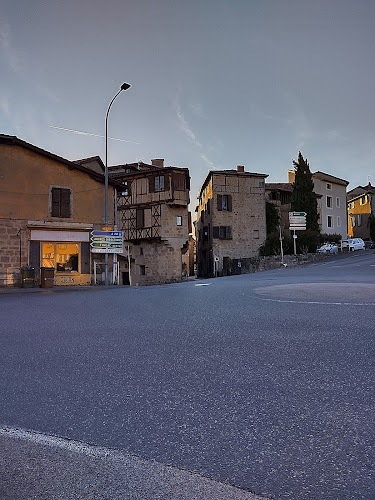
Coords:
pixel 63 257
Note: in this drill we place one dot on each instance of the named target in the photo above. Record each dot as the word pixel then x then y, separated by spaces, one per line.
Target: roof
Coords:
pixel 282 186
pixel 12 140
pixel 359 191
pixel 229 172
pixel 330 178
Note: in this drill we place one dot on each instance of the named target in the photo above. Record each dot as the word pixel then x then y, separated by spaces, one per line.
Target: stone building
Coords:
pixel 231 220
pixel 48 207
pixel 280 193
pixel 152 212
pixel 361 204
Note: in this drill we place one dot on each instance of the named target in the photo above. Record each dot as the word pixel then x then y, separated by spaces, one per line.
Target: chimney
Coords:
pixel 240 168
pixel 158 162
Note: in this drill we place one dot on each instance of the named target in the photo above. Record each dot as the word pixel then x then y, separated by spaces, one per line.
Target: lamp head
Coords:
pixel 125 86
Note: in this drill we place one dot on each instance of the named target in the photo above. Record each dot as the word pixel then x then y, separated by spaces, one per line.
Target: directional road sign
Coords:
pixel 106 241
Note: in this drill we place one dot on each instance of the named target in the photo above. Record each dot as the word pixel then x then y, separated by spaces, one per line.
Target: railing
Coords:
pixel 141 233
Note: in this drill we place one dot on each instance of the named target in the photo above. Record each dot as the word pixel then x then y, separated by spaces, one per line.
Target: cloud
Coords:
pixel 186 128
pixel 11 55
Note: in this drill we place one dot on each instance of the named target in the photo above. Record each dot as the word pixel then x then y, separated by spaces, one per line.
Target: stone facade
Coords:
pixel 231 219
pixel 152 211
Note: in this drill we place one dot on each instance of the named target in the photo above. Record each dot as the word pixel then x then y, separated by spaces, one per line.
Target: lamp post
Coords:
pixel 124 86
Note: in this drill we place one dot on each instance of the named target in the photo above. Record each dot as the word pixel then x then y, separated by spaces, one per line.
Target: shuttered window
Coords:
pixel 222 232
pixel 140 218
pixel 224 202
pixel 60 202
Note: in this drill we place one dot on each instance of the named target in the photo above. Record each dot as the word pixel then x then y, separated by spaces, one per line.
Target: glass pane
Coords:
pixel 48 255
pixel 67 257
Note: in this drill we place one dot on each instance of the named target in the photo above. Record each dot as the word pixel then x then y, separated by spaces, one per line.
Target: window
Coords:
pixel 351 205
pixel 142 270
pixel 256 234
pixel 329 201
pixel 60 202
pixel 140 222
pixel 261 184
pixel 62 256
pixel 179 220
pixel 328 185
pixel 363 200
pixel 359 219
pixel 205 233
pixel 338 221
pixel 222 232
pixel 337 202
pixel 224 202
pixel 159 183
pixel 329 221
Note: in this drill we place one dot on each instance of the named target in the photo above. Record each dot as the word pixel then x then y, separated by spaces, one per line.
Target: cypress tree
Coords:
pixel 303 197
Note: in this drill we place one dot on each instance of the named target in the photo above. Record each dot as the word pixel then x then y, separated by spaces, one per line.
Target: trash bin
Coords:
pixel 47 277
pixel 27 276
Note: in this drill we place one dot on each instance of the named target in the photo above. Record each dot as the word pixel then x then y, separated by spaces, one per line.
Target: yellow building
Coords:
pixel 361 203
pixel 48 208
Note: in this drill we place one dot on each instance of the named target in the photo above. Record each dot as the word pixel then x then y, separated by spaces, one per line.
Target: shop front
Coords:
pixel 67 252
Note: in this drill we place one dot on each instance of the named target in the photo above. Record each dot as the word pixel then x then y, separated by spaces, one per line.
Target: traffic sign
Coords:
pixel 106 241
pixel 297 214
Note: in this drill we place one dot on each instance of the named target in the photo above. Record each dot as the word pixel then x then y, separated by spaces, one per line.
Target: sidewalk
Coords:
pixel 43 467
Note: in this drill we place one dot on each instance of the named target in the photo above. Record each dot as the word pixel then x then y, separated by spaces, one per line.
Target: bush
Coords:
pixel 329 238
pixel 307 241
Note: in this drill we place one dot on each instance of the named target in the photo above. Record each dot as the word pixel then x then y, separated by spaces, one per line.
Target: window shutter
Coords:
pixel 215 233
pixel 65 203
pixel 219 202
pixel 229 202
pixel 228 232
pixel 55 209
pixel 167 182
pixel 34 256
pixel 85 257
pixel 140 218
pixel 151 184
pixel 222 232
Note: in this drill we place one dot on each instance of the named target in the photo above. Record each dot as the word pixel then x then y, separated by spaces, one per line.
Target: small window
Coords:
pixel 159 183
pixel 140 222
pixel 261 184
pixel 329 201
pixel 60 202
pixel 329 221
pixel 337 202
pixel 329 186
pixel 256 234
pixel 359 219
pixel 338 221
pixel 224 202
pixel 142 270
pixel 179 220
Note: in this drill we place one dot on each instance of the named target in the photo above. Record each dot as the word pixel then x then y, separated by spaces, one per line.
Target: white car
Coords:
pixel 353 244
pixel 327 248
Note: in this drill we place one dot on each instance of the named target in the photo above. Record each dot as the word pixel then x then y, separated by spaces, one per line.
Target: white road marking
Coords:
pixel 321 303
pixel 203 284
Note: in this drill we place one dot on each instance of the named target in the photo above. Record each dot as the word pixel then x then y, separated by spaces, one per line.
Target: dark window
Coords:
pixel 224 202
pixel 159 183
pixel 140 218
pixel 140 251
pixel 222 232
pixel 329 201
pixel 142 270
pixel 329 221
pixel 202 217
pixel 205 233
pixel 60 202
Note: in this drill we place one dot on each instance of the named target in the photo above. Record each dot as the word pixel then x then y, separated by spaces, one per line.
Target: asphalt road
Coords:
pixel 264 381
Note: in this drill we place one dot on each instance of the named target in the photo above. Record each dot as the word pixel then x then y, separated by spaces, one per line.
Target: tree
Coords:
pixel 303 197
pixel 272 217
pixel 371 226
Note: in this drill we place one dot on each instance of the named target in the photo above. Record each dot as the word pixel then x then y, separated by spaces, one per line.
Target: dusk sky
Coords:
pixel 215 83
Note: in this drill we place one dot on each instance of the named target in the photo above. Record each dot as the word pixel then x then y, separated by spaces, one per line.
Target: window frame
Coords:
pixel 61 202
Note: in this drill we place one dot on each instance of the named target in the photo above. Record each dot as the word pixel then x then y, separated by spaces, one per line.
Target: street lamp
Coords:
pixel 124 86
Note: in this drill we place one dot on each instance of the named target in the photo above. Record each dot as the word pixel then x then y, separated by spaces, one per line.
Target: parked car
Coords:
pixel 353 244
pixel 328 248
pixel 369 244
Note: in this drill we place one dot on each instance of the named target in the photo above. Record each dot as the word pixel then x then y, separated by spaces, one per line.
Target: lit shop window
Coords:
pixel 62 256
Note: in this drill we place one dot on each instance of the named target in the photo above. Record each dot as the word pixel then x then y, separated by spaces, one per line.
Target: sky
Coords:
pixel 215 83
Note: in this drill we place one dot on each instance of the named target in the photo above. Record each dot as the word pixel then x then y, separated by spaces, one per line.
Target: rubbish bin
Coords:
pixel 27 276
pixel 47 277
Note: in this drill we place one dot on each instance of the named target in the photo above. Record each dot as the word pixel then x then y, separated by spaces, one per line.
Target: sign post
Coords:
pixel 297 222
